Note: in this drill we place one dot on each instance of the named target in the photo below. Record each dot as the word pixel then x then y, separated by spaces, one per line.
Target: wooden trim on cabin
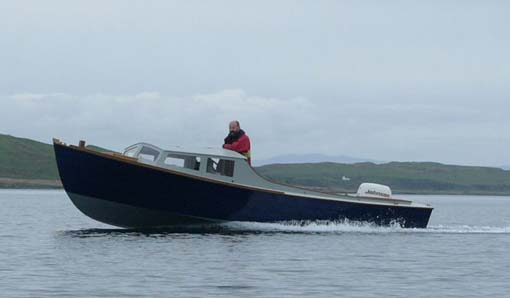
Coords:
pixel 379 199
pixel 121 156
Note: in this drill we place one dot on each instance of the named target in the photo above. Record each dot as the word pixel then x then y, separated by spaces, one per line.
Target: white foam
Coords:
pixel 356 227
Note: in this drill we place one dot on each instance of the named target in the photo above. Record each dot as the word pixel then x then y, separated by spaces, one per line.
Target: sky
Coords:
pixel 386 80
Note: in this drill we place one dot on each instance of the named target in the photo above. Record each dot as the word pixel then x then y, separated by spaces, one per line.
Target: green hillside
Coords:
pixel 26 159
pixel 403 177
pixel 27 163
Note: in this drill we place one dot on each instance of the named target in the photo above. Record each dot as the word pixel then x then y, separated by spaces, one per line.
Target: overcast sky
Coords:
pixel 387 80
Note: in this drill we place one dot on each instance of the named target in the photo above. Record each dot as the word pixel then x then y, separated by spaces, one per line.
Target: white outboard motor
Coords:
pixel 372 190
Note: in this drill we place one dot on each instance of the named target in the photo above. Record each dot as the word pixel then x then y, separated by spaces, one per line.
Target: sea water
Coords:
pixel 49 249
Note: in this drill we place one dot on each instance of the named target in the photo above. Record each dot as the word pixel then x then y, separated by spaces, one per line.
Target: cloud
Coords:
pixel 464 134
pixel 386 82
pixel 118 120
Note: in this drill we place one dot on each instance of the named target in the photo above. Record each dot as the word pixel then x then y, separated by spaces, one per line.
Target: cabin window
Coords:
pixel 131 152
pixel 148 153
pixel 183 161
pixel 174 161
pixel 220 167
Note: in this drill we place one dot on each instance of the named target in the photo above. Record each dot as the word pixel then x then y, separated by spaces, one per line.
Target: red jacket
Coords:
pixel 242 145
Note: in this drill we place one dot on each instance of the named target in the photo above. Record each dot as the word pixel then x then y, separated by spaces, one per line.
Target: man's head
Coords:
pixel 234 126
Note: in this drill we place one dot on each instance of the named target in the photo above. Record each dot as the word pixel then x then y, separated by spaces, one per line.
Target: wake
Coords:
pixel 357 227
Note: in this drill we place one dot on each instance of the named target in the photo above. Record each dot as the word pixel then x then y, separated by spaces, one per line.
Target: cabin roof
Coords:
pixel 214 151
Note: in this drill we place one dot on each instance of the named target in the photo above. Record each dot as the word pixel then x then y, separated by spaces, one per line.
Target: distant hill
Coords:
pixel 403 177
pixel 26 163
pixel 506 168
pixel 26 159
pixel 311 158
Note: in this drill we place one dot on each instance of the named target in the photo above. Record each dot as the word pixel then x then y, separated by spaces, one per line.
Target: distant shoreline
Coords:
pixel 45 184
pixel 15 183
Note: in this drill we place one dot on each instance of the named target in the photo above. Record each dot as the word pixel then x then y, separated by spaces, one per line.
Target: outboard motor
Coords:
pixel 372 190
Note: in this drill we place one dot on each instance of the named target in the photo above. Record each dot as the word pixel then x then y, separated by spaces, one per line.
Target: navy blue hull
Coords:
pixel 128 194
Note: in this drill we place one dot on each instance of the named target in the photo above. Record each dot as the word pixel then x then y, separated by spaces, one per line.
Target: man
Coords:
pixel 237 140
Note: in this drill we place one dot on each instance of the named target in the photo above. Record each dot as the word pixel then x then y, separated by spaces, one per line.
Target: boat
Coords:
pixel 148 187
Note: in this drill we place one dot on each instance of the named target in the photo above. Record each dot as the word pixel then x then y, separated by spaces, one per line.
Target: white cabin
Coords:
pixel 231 167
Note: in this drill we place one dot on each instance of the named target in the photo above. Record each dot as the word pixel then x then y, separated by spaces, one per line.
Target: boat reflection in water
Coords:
pixel 147 187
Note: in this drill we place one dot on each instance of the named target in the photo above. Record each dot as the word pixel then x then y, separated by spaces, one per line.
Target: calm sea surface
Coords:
pixel 49 249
